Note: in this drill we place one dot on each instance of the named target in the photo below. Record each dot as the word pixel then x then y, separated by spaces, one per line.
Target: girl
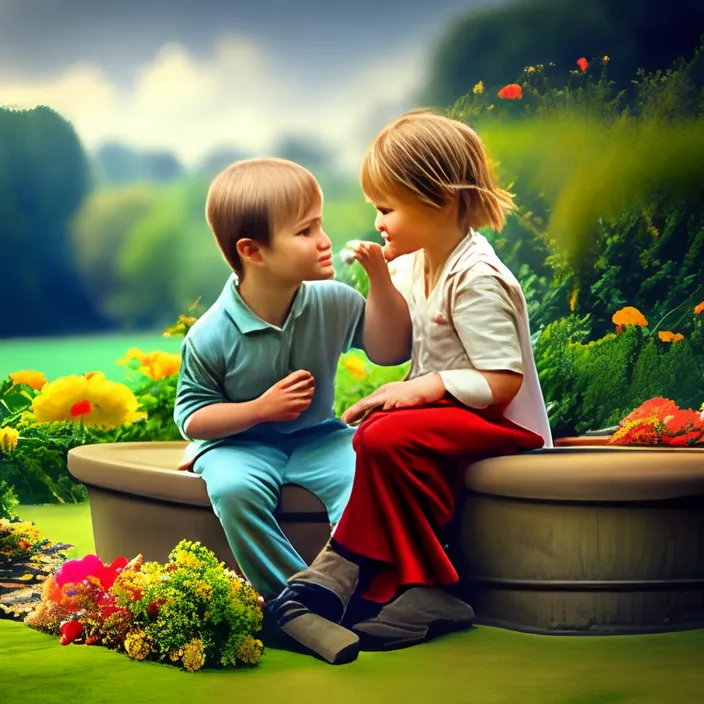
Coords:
pixel 472 392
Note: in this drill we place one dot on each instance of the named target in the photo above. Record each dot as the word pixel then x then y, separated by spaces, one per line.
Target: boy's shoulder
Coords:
pixel 331 291
pixel 214 329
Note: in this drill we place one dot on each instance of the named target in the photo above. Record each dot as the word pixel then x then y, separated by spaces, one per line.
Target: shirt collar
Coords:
pixel 246 319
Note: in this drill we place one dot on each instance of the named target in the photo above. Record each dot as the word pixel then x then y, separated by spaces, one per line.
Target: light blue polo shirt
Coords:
pixel 232 355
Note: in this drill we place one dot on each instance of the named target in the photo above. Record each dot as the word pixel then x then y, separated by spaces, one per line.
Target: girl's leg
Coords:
pixel 410 467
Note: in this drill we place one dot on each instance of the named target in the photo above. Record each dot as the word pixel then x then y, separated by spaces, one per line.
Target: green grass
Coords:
pixel 68 523
pixel 484 665
pixel 58 356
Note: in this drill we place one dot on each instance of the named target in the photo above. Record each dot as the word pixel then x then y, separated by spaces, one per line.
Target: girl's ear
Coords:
pixel 249 250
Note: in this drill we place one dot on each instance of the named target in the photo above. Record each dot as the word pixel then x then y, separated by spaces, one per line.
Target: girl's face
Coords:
pixel 407 226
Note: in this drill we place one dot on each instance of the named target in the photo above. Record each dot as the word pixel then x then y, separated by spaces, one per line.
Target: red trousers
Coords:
pixel 410 467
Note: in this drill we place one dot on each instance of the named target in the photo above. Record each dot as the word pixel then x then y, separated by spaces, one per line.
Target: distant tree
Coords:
pixel 217 159
pixel 116 164
pixel 44 177
pixel 101 232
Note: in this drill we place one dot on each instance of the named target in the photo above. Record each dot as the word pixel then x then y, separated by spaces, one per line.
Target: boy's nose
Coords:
pixel 379 222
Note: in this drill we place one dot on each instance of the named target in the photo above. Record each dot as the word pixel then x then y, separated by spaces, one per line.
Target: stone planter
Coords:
pixel 586 539
pixel 140 503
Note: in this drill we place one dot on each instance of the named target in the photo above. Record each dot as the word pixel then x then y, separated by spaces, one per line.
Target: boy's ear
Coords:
pixel 249 250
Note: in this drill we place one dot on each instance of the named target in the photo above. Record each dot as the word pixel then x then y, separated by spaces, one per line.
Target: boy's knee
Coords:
pixel 239 496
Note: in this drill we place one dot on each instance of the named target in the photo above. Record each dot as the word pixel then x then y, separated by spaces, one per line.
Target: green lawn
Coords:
pixel 57 356
pixel 485 665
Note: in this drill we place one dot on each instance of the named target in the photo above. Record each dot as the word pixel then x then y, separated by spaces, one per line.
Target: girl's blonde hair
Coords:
pixel 431 158
pixel 254 198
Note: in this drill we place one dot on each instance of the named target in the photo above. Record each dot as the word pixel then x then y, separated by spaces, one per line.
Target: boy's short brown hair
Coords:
pixel 430 158
pixel 255 197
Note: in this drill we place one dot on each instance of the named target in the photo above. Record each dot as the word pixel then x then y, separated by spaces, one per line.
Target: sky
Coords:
pixel 190 76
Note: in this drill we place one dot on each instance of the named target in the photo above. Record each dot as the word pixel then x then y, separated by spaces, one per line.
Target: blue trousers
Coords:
pixel 244 481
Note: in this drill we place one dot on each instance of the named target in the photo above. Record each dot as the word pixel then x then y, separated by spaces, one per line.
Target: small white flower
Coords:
pixel 347 255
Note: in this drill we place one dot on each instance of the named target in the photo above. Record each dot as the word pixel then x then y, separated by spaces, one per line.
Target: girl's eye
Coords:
pixel 306 231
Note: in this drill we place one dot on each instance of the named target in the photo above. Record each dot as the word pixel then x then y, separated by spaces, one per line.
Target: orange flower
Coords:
pixel 511 92
pixel 699 308
pixel 606 59
pixel 583 64
pixel 667 336
pixel 29 377
pixel 160 365
pixel 628 316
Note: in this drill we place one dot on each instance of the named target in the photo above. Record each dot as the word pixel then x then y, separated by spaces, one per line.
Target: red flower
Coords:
pixel 511 92
pixel 153 608
pixel 655 407
pixel 81 408
pixel 682 440
pixel 70 630
pixel 583 64
pixel 108 575
pixel 640 434
pixel 682 421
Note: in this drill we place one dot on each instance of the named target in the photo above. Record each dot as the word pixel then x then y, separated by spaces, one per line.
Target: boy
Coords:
pixel 256 388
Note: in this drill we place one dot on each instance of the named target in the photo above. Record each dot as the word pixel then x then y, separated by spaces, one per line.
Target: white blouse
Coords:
pixel 474 319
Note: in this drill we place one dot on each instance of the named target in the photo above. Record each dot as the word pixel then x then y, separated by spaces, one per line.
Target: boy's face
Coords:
pixel 406 226
pixel 300 251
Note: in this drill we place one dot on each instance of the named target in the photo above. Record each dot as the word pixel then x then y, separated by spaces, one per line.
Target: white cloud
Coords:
pixel 238 96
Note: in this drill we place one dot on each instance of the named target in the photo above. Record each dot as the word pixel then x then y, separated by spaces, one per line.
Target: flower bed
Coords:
pixel 191 610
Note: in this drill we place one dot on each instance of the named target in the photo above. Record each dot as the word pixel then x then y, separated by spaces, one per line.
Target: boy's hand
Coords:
pixel 288 398
pixel 397 394
pixel 371 256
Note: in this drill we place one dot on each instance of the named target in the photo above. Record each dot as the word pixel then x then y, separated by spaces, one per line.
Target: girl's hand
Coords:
pixel 370 255
pixel 398 394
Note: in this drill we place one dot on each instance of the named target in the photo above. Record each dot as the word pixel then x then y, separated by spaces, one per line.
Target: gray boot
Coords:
pixel 418 615
pixel 328 640
pixel 327 586
pixel 311 608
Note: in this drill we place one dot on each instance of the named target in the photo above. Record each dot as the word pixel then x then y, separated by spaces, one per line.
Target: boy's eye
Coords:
pixel 305 231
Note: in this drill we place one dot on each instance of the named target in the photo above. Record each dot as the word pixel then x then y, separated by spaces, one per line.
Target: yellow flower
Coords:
pixel 530 69
pixel 8 440
pixel 182 326
pixel 668 336
pixel 29 377
pixel 250 651
pixel 194 655
pixel 491 107
pixel 478 88
pixel 355 366
pixel 573 299
pixel 96 401
pixel 159 365
pixel 137 644
pixel 132 353
pixel 606 59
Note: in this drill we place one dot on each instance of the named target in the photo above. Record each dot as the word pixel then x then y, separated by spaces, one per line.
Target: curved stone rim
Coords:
pixel 118 467
pixel 591 474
